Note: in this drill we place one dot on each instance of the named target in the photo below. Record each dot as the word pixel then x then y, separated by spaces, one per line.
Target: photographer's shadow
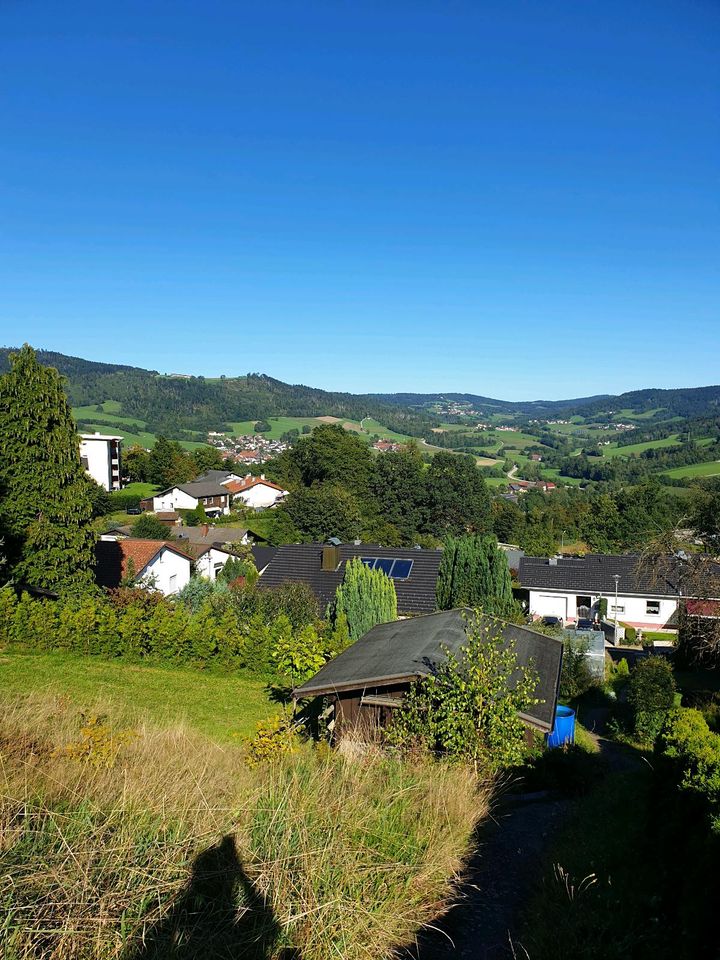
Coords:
pixel 218 916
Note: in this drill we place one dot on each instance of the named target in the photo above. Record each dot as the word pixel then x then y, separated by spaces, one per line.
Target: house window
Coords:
pixel 652 608
pixel 620 608
pixel 172 583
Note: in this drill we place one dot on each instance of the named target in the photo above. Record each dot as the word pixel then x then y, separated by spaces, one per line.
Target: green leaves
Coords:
pixel 365 597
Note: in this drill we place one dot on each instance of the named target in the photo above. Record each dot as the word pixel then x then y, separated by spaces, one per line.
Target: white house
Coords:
pixel 256 492
pixel 572 588
pixel 186 496
pixel 210 561
pixel 100 456
pixel 154 564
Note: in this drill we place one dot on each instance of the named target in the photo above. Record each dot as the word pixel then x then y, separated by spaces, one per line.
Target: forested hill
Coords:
pixel 657 404
pixel 172 405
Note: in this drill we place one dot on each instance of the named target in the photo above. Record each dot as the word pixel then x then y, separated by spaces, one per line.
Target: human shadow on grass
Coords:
pixel 219 915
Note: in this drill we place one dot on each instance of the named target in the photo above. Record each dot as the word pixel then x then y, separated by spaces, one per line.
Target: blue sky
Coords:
pixel 517 199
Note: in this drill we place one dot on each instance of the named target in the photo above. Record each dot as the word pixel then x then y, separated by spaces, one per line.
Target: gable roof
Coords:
pixel 197 489
pixel 113 558
pixel 593 574
pixel 239 486
pixel 216 476
pixel 406 650
pixel 301 562
pixel 262 556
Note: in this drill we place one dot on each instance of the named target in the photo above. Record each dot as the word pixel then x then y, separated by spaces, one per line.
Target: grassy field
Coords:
pixel 709 469
pixel 130 429
pixel 631 449
pixel 222 706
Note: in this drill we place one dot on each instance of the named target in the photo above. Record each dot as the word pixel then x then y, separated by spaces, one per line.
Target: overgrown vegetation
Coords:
pixel 175 845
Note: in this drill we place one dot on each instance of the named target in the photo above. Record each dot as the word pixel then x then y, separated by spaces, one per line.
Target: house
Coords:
pixel 186 496
pixel 368 681
pixel 208 535
pixel 256 492
pixel 209 561
pixel 262 555
pixel 572 587
pixel 100 456
pixel 218 476
pixel 322 567
pixel 152 563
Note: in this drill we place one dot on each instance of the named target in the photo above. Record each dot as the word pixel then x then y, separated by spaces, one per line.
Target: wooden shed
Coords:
pixel 366 682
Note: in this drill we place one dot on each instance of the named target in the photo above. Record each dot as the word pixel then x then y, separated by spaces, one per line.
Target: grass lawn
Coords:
pixel 709 469
pixel 223 706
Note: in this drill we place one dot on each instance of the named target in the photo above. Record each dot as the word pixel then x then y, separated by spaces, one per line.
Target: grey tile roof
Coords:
pixel 214 534
pixel 301 562
pixel 263 555
pixel 202 488
pixel 593 574
pixel 406 650
pixel 216 476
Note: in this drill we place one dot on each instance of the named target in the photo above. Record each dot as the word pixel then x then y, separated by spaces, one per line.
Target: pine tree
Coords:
pixel 365 597
pixel 474 573
pixel 45 505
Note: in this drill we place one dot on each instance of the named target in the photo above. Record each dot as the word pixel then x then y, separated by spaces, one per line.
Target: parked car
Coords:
pixel 553 622
pixel 584 624
pixel 133 511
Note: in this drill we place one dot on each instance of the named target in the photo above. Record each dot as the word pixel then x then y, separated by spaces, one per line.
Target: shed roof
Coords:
pixel 406 650
pixel 302 562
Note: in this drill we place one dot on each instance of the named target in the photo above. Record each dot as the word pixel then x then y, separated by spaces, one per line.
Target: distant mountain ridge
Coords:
pixel 177 406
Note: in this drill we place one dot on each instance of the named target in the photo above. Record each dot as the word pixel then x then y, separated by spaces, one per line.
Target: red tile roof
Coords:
pixel 114 556
pixel 238 486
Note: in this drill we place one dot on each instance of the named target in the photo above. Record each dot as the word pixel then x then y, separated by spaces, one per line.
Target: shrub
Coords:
pixel 630 636
pixel 576 677
pixel 366 597
pixel 469 708
pixel 275 738
pixel 148 527
pixel 651 693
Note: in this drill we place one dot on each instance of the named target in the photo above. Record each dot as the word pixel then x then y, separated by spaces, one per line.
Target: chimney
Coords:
pixel 330 559
pixel 204 529
pixel 262 476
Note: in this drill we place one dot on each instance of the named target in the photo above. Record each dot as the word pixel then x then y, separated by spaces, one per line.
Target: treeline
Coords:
pixel 172 405
pixel 339 488
pixel 637 467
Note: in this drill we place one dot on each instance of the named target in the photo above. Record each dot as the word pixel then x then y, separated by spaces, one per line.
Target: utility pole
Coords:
pixel 616 577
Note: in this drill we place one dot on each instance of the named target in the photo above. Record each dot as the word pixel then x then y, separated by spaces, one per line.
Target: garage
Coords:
pixel 549 605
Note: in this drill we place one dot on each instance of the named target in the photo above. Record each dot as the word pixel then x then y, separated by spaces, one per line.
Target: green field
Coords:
pixel 634 448
pixel 130 429
pixel 221 705
pixel 281 425
pixel 709 469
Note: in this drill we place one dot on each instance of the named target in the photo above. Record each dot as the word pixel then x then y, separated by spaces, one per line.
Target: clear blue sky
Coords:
pixel 518 199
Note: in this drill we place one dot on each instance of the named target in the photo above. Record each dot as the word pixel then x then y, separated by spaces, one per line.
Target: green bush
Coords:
pixel 576 677
pixel 630 636
pixel 121 500
pixel 694 752
pixel 651 694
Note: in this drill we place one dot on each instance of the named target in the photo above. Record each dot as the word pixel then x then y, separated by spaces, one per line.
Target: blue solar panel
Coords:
pixel 401 569
pixel 384 564
pixel 368 561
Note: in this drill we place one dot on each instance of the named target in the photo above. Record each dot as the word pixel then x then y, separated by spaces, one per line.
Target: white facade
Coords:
pixel 261 495
pixel 647 612
pixel 100 455
pixel 211 563
pixel 167 572
pixel 177 499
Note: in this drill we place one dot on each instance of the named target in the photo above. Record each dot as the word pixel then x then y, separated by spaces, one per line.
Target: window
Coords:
pixel 396 569
pixel 172 583
pixel 652 608
pixel 620 608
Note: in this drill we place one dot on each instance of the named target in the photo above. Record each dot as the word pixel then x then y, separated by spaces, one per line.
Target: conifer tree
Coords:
pixel 474 572
pixel 45 505
pixel 366 597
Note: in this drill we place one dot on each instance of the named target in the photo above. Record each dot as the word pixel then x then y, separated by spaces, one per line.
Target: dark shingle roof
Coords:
pixel 593 574
pixel 408 649
pixel 301 562
pixel 217 476
pixel 263 555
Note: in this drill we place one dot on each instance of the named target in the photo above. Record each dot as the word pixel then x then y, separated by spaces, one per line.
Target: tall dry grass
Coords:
pixel 177 850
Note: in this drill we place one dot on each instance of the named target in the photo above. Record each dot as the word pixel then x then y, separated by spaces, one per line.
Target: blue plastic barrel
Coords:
pixel 564 730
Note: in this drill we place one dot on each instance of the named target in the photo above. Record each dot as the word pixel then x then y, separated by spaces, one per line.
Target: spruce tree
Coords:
pixel 474 572
pixel 45 503
pixel 366 597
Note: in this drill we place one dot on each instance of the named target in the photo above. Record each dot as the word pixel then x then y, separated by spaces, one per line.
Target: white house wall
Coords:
pixel 98 454
pixel 633 611
pixel 206 565
pixel 175 499
pixel 260 497
pixel 167 572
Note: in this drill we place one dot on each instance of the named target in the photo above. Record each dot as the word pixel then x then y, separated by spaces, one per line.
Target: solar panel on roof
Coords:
pixel 384 564
pixel 368 561
pixel 401 569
